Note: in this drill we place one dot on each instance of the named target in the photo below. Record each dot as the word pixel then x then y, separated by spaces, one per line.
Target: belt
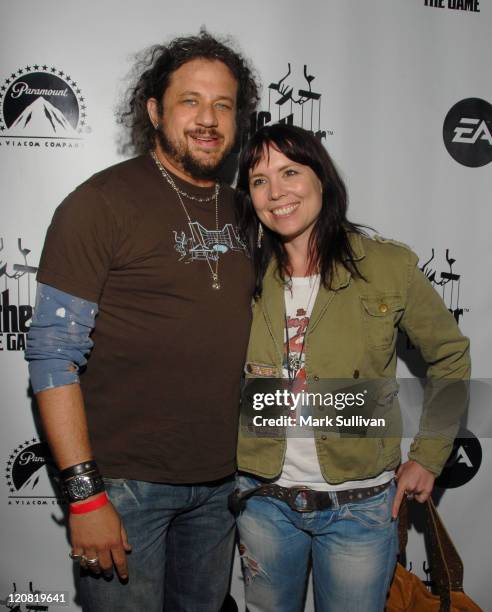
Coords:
pixel 310 500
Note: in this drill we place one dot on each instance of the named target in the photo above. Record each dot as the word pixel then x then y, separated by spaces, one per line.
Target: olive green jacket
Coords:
pixel 352 334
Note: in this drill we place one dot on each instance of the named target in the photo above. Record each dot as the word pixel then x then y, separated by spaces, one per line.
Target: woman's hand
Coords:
pixel 413 480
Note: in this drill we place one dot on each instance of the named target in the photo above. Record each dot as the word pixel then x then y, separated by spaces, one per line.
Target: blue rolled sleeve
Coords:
pixel 59 340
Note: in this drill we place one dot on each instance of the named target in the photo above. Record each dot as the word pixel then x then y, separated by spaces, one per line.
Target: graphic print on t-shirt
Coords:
pixel 299 295
pixel 296 325
pixel 299 322
pixel 204 244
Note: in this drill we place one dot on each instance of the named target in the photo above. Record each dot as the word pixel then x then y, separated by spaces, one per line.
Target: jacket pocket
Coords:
pixel 381 314
pixel 260 370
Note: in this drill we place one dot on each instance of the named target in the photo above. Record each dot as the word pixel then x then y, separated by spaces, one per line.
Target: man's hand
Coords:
pixel 100 535
pixel 412 479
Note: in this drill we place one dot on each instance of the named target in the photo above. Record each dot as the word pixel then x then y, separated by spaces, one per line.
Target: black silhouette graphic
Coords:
pixel 16 298
pixel 448 280
pixel 19 607
pixel 18 270
pixel 292 105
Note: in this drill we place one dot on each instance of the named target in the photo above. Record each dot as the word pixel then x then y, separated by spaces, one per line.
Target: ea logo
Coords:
pixel 467 132
pixel 463 463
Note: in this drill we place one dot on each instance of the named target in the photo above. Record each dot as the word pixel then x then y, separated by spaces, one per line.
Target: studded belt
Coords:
pixel 304 499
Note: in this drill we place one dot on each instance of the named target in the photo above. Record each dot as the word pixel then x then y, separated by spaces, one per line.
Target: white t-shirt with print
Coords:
pixel 301 465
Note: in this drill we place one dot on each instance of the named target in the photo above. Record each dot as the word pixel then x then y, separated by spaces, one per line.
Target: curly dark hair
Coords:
pixel 153 72
pixel 329 242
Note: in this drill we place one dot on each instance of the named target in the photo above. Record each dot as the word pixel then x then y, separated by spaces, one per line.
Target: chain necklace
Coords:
pixel 180 194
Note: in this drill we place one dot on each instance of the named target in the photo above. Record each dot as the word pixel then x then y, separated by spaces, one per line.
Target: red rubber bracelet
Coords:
pixel 89 506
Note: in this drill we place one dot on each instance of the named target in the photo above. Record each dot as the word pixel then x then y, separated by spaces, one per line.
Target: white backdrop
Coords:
pixel 387 72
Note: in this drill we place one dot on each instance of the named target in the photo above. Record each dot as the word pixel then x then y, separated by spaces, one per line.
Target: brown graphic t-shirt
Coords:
pixel 162 384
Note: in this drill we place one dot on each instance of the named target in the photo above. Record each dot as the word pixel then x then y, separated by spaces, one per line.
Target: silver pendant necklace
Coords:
pixel 214 271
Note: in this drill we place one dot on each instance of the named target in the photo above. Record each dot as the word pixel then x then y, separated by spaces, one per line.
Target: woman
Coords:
pixel 329 301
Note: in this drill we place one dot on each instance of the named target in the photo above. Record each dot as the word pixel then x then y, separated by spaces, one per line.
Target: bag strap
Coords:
pixel 446 565
pixel 403 526
pixel 447 560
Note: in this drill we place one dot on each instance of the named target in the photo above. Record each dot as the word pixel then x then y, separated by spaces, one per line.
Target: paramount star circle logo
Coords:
pixel 42 103
pixel 29 475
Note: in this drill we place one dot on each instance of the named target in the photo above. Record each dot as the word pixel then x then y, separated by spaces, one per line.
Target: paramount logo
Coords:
pixel 21 88
pixel 41 118
pixel 41 105
pixel 30 475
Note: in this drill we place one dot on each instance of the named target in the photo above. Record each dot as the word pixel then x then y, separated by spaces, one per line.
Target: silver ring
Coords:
pixel 410 496
pixel 94 561
pixel 75 557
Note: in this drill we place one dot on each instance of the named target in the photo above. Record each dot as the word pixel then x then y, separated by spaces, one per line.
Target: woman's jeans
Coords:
pixel 352 549
pixel 182 541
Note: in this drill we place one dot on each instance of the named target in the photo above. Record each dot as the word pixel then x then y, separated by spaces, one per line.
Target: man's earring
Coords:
pixel 260 235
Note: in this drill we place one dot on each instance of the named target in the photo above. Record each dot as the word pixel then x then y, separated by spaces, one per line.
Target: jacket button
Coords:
pixel 316 378
pixel 356 373
pixel 383 308
pixel 323 437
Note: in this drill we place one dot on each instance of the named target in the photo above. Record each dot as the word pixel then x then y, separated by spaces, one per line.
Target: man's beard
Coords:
pixel 194 167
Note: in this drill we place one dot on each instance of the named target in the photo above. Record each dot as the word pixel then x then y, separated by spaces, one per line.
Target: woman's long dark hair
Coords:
pixel 329 243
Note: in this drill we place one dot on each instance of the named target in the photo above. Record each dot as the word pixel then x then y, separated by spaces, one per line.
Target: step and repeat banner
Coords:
pixel 399 91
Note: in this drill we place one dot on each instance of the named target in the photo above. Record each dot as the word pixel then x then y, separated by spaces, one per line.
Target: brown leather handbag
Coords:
pixel 408 593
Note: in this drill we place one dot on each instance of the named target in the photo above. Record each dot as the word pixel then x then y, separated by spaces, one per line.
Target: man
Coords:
pixel 150 247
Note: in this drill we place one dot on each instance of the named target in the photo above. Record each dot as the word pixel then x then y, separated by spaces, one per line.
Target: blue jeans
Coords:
pixel 352 549
pixel 182 541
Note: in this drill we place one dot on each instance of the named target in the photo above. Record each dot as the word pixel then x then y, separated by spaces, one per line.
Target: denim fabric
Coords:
pixel 182 541
pixel 58 339
pixel 352 549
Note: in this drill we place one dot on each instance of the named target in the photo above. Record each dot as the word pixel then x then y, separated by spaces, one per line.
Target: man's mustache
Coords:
pixel 210 133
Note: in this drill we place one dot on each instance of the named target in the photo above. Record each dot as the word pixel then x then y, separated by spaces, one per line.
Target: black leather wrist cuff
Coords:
pixel 77 470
